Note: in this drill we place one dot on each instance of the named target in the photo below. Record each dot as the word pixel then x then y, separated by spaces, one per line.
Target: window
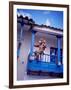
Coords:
pixel 53 54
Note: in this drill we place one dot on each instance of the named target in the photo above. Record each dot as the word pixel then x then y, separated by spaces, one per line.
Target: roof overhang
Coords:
pixel 48 30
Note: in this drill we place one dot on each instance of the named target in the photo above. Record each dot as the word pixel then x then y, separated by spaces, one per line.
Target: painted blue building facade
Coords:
pixel 41 67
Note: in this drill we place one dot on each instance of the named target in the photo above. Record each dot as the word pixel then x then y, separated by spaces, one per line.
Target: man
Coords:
pixel 41 47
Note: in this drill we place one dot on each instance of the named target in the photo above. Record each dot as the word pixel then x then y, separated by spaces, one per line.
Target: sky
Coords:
pixel 46 17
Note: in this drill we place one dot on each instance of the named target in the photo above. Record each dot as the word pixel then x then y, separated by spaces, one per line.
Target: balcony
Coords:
pixel 44 66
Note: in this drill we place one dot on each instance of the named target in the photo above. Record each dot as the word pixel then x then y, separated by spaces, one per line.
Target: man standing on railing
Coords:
pixel 41 47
